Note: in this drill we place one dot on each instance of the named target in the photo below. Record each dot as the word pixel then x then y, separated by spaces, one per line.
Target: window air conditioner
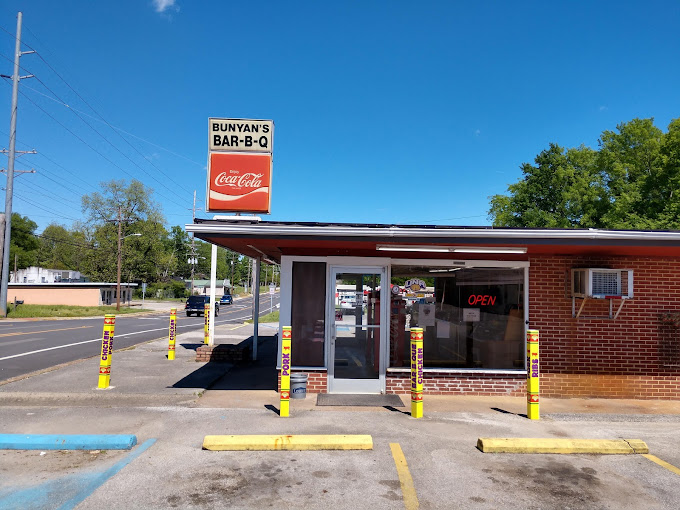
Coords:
pixel 601 283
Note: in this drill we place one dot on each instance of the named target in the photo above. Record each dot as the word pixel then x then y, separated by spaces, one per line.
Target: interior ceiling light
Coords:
pixel 451 249
pixel 488 249
pixel 430 249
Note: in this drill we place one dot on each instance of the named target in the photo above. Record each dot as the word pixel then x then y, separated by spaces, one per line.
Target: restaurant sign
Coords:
pixel 239 165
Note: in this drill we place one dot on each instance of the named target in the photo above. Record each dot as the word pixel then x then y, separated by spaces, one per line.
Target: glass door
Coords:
pixel 357 336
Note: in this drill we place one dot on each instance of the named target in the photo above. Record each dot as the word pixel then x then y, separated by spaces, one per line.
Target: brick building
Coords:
pixel 606 303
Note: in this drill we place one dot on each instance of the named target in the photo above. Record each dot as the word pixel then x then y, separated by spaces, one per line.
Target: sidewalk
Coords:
pixel 140 376
pixel 143 376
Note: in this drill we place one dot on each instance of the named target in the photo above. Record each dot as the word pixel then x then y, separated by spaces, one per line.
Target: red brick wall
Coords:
pixel 442 383
pixel 599 357
pixel 317 382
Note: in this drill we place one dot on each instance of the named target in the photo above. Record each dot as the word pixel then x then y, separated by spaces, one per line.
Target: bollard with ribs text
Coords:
pixel 532 374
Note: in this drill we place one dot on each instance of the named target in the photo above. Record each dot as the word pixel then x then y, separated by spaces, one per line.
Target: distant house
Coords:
pixel 69 293
pixel 202 287
pixel 35 274
pixel 42 286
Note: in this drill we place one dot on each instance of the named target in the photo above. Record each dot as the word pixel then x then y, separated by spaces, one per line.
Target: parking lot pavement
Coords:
pixel 446 468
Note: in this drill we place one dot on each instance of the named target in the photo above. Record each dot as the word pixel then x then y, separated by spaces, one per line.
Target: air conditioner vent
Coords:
pixel 606 283
pixel 601 283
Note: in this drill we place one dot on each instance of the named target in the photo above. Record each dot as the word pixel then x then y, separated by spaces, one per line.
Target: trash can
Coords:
pixel 298 385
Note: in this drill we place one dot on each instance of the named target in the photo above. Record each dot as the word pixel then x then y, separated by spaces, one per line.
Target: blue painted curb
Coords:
pixel 67 442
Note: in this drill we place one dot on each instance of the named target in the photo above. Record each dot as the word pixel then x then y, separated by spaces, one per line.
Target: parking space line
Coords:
pixel 408 489
pixel 662 463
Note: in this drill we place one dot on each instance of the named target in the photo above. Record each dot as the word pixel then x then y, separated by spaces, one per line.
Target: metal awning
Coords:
pixel 272 239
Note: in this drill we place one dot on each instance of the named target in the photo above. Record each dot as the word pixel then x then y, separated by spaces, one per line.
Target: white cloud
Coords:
pixel 603 108
pixel 478 132
pixel 164 5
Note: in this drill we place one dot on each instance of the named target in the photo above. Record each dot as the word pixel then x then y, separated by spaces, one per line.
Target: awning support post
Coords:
pixel 256 304
pixel 213 278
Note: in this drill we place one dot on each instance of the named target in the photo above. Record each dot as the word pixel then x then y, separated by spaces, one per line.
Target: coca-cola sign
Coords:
pixel 239 182
pixel 233 180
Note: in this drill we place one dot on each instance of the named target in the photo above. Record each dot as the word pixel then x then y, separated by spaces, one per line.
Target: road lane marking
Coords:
pixel 43 331
pixel 662 463
pixel 99 339
pixel 408 489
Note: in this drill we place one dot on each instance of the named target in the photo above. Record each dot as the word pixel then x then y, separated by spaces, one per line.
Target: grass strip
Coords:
pixel 32 311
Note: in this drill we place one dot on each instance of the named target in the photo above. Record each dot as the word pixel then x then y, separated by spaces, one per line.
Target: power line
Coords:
pixel 79 114
pixel 30 202
pixel 105 139
pixel 50 194
pixel 75 112
pixel 63 241
pixel 83 141
pixel 202 165
pixel 71 172
pixel 101 118
pixel 98 133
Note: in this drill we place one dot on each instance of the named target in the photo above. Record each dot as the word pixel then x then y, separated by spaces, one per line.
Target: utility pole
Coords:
pixel 193 248
pixel 233 256
pixel 120 256
pixel 10 167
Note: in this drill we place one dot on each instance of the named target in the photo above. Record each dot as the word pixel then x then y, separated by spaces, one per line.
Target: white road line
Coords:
pixel 115 336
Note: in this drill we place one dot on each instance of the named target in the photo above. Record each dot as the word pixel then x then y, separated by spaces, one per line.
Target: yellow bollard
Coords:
pixel 107 351
pixel 416 372
pixel 532 374
pixel 284 409
pixel 206 325
pixel 172 333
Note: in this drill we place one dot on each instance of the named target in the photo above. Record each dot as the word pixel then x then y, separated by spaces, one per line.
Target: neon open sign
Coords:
pixel 482 299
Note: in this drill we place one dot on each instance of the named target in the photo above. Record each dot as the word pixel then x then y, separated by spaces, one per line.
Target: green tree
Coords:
pixel 630 182
pixel 61 248
pixel 178 246
pixel 119 210
pixel 629 161
pixel 563 189
pixel 24 244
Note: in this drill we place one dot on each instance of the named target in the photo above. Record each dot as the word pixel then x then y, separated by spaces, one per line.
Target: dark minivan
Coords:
pixel 196 305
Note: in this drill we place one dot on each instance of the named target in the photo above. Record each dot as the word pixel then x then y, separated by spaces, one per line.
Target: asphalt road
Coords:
pixel 28 346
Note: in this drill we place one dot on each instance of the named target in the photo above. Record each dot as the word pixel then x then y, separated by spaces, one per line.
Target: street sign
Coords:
pixel 272 289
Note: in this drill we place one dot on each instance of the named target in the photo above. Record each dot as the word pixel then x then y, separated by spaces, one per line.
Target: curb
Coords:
pixel 287 442
pixel 564 446
pixel 67 442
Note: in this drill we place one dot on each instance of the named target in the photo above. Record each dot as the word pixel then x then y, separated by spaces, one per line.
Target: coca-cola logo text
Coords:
pixel 247 180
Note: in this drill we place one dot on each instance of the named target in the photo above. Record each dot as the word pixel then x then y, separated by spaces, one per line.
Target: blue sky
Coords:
pixel 385 111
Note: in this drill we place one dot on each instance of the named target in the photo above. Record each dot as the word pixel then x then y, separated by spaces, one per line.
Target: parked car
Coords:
pixel 226 299
pixel 196 305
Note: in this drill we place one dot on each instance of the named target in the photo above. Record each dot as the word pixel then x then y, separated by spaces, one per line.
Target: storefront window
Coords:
pixel 471 317
pixel 308 313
